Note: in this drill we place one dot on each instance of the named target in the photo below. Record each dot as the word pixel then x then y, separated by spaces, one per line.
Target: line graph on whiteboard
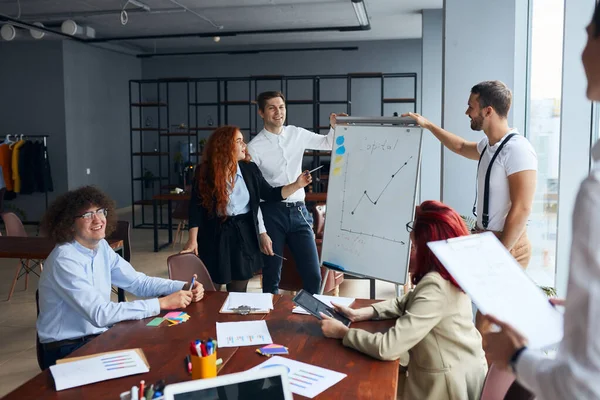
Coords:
pixel 368 208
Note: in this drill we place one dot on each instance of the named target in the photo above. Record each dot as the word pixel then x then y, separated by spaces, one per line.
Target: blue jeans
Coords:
pixel 291 224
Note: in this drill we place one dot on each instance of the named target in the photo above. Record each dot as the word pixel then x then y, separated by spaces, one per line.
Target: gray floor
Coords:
pixel 18 361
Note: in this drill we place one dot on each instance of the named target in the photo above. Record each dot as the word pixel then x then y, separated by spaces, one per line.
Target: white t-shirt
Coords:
pixel 517 155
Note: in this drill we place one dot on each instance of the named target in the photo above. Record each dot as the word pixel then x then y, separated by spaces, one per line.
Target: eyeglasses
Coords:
pixel 101 212
pixel 409 226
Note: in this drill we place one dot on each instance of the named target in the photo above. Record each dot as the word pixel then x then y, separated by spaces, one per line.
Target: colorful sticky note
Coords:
pixel 173 315
pixel 155 322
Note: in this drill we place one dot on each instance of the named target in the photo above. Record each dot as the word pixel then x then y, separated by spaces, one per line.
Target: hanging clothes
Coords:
pixel 6 163
pixel 42 173
pixel 16 149
pixel 26 170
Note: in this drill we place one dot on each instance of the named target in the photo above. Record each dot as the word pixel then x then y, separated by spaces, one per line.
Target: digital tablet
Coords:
pixel 316 306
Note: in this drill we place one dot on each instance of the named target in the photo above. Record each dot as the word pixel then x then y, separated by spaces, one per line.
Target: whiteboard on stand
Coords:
pixel 371 196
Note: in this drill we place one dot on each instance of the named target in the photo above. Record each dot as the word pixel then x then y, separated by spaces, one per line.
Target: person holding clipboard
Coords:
pixel 434 322
pixel 224 207
pixel 575 372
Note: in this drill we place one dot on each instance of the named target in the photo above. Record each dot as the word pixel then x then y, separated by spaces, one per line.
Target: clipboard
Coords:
pixel 242 310
pixel 139 351
pixel 497 284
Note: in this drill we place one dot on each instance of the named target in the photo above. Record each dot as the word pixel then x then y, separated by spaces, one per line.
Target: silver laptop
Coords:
pixel 264 384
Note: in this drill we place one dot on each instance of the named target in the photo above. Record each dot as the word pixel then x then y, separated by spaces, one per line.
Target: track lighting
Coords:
pixel 8 32
pixel 35 33
pixel 70 27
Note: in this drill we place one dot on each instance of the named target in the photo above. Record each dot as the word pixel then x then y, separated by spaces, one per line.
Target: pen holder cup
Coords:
pixel 204 367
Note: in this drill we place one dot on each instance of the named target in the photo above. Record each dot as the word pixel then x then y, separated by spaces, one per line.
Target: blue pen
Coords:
pixel 209 347
pixel 193 281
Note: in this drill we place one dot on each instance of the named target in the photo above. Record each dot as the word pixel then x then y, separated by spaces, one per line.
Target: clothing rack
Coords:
pixel 15 138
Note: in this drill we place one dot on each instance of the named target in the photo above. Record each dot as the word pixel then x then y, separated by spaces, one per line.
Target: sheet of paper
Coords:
pixel 305 379
pixel 97 369
pixel 344 301
pixel 260 301
pixel 487 272
pixel 246 333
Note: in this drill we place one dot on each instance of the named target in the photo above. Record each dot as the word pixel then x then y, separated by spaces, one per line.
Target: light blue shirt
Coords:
pixel 239 197
pixel 75 288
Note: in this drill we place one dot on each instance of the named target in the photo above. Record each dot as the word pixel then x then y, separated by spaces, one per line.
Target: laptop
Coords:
pixel 264 384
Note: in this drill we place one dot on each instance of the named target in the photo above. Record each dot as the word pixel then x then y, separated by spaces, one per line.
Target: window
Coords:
pixel 543 131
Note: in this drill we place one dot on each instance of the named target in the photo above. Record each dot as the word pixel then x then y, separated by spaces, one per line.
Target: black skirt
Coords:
pixel 238 254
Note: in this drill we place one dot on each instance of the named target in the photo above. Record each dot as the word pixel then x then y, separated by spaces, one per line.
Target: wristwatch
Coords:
pixel 515 358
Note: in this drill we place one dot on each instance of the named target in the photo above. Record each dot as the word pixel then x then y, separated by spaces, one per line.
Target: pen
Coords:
pixel 209 347
pixel 142 385
pixel 277 255
pixel 203 349
pixel 193 350
pixel 188 363
pixel 313 170
pixel 134 393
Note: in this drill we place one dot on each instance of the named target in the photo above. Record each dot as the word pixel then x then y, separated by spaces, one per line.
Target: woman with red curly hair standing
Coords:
pixel 224 207
pixel 434 322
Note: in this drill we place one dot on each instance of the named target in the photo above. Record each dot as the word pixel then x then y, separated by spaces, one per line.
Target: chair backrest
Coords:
pixel 181 210
pixel 123 232
pixel 14 226
pixel 496 385
pixel 319 220
pixel 38 346
pixel 183 266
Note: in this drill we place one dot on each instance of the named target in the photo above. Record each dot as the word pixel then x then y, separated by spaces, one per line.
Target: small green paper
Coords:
pixel 155 322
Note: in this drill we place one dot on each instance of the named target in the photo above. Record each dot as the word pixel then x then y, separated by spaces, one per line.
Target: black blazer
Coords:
pixel 209 224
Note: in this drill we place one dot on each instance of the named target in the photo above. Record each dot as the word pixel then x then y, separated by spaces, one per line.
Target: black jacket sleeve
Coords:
pixel 266 191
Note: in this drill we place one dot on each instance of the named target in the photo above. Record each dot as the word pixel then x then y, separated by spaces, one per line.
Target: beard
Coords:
pixel 477 123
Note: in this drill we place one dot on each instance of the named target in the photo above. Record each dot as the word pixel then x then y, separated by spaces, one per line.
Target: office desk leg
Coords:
pixel 155 222
pixel 170 209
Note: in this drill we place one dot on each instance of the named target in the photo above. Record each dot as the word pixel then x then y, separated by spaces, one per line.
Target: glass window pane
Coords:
pixel 547 21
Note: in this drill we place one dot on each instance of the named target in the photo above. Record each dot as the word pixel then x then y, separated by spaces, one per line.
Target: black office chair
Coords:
pixel 122 232
pixel 38 346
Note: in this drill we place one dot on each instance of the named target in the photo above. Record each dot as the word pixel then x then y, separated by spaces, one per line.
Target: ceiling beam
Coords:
pixel 235 52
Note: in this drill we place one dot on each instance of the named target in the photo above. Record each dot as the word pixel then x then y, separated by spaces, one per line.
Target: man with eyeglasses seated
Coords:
pixel 75 285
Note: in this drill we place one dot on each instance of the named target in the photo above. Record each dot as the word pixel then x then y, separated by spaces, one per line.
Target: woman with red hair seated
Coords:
pixel 434 322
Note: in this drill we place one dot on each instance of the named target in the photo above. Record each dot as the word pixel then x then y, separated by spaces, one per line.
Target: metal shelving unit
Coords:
pixel 217 97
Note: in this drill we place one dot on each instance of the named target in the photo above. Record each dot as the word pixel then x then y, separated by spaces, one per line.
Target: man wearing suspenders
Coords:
pixel 507 169
pixel 506 173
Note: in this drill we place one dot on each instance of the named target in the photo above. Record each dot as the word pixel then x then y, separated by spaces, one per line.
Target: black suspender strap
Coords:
pixel 485 218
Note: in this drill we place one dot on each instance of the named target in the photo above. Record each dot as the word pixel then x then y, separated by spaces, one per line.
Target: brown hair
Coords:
pixel 494 94
pixel 59 220
pixel 217 170
pixel 266 96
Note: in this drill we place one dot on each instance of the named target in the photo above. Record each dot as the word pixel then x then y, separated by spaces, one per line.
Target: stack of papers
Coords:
pixel 247 333
pixel 176 317
pixel 343 301
pixel 98 368
pixel 258 302
pixel 305 379
pixel 272 349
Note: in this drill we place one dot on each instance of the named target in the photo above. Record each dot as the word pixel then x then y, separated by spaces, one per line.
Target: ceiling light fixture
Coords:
pixel 361 12
pixel 35 33
pixel 70 27
pixel 140 5
pixel 8 32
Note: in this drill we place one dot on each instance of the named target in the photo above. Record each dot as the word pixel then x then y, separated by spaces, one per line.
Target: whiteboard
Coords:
pixel 371 197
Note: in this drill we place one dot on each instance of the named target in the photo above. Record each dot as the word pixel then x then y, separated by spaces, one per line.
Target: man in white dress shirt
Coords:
pixel 575 373
pixel 278 151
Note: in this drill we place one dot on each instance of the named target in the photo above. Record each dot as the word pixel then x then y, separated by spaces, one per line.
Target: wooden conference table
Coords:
pixel 171 197
pixel 165 348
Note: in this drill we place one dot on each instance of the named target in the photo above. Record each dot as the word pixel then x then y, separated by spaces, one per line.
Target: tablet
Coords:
pixel 316 306
pixel 265 384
